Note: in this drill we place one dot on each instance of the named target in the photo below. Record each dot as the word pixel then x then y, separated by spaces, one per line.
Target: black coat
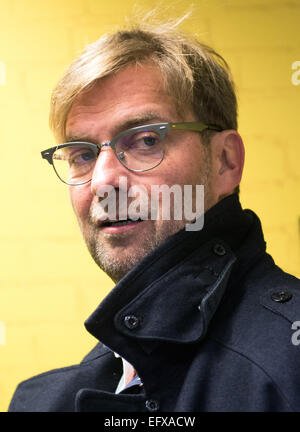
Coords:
pixel 205 319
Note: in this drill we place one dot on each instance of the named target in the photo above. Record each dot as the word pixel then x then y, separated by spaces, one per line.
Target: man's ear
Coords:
pixel 228 155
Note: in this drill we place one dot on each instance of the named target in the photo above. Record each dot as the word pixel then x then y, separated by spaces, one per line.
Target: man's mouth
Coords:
pixel 120 223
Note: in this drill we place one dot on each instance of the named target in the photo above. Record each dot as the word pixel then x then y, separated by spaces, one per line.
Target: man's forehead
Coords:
pixel 127 89
pixel 145 76
pixel 133 120
pixel 130 97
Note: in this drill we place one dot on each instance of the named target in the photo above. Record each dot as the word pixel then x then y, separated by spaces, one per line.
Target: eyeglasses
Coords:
pixel 139 149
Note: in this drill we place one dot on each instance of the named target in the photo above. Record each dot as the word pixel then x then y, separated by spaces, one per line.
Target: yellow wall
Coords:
pixel 49 285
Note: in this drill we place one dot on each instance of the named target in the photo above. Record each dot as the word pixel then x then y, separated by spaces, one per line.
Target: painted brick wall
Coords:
pixel 49 285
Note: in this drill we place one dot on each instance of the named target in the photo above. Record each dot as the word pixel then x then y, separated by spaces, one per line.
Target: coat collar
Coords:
pixel 173 293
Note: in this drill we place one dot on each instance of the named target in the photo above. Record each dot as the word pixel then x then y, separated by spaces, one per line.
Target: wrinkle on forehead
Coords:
pixel 131 97
pixel 118 81
pixel 143 118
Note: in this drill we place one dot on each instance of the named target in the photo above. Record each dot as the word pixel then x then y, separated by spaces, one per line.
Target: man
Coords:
pixel 199 319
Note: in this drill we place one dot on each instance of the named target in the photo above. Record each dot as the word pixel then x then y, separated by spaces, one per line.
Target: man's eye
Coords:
pixel 144 140
pixel 82 157
pixel 150 141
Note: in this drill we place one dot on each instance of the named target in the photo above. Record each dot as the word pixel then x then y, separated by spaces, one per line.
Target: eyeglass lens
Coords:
pixel 138 151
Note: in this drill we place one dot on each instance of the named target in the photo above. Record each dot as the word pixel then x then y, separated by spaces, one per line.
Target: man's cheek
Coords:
pixel 80 200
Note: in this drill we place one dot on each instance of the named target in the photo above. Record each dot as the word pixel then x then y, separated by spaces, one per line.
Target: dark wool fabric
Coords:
pixel 205 319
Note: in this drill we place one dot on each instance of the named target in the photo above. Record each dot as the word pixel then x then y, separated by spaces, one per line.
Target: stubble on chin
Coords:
pixel 116 255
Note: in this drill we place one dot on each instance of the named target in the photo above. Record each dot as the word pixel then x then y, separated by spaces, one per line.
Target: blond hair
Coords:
pixel 193 73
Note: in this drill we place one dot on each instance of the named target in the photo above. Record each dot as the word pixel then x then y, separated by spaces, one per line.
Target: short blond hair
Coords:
pixel 194 74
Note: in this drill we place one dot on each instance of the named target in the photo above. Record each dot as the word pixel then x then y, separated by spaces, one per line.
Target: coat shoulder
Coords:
pixel 260 321
pixel 56 389
pixel 264 307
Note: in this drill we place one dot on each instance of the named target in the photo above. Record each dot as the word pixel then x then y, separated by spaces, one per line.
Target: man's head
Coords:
pixel 137 77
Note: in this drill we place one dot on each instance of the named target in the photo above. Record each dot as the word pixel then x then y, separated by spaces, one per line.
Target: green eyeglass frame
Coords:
pixel 160 128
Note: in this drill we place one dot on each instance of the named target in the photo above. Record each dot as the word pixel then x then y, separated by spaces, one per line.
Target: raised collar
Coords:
pixel 172 294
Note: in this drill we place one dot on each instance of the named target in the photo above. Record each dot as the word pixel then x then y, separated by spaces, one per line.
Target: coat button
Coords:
pixel 219 249
pixel 152 405
pixel 131 322
pixel 281 296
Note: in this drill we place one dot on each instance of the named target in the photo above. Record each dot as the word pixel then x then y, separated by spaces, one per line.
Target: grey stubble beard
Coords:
pixel 117 266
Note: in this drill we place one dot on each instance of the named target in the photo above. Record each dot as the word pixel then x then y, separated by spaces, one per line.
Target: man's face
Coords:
pixel 134 95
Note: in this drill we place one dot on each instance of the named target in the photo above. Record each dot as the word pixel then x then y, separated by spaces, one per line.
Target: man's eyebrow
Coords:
pixel 138 120
pixel 79 138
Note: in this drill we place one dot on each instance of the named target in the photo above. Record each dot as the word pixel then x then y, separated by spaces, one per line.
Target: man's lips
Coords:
pixel 116 223
pixel 116 226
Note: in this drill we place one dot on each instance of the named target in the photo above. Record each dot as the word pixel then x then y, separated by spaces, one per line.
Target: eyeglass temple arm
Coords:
pixel 47 154
pixel 195 126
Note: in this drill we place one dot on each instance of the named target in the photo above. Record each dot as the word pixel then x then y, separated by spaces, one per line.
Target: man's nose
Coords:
pixel 107 171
